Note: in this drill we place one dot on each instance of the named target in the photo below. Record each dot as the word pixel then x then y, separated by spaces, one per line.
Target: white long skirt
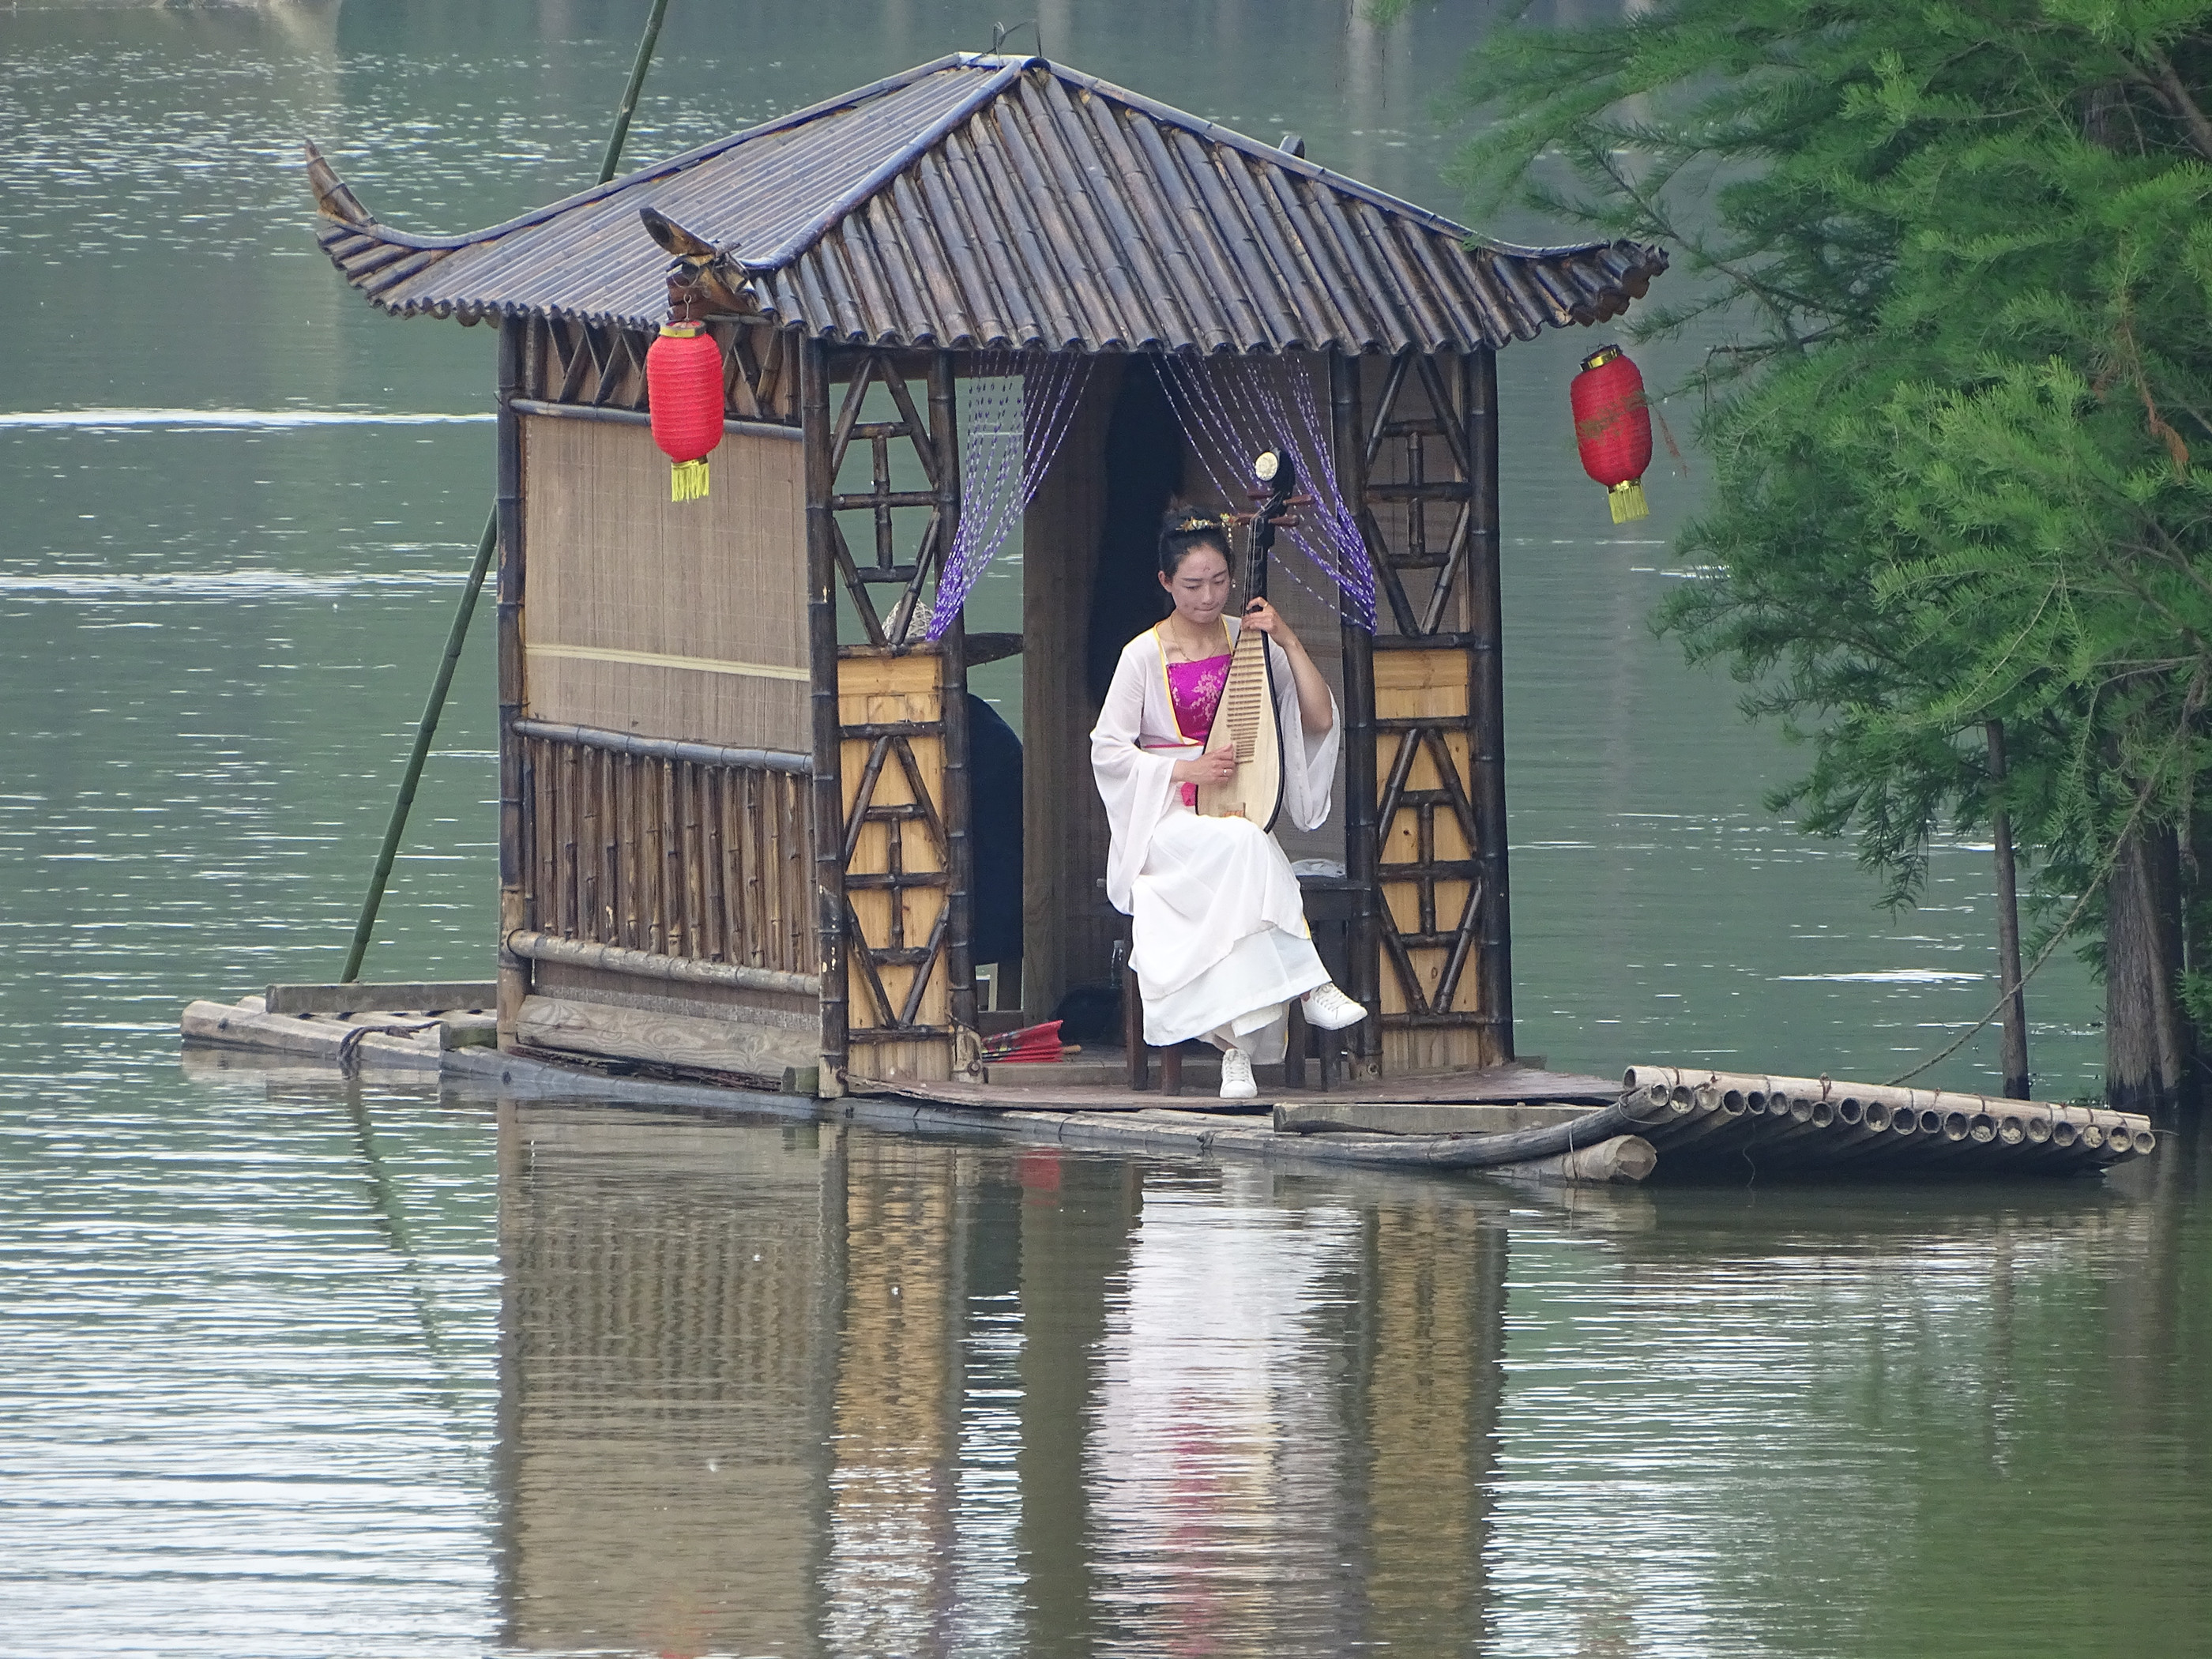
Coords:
pixel 1220 945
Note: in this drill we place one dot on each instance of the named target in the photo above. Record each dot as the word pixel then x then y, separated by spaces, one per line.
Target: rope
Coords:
pixel 349 1044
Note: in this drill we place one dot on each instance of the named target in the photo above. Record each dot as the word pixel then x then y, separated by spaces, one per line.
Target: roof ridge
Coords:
pixel 1006 72
pixel 784 122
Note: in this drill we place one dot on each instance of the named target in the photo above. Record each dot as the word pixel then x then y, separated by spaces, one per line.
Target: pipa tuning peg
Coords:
pixel 1273 467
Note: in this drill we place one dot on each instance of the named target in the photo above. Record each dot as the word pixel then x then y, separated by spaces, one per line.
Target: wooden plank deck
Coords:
pixel 1689 1123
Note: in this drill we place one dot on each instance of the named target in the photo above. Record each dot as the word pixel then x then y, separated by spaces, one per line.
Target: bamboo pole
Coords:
pixel 2015 1049
pixel 1363 942
pixel 507 580
pixel 829 784
pixel 1476 1151
pixel 628 107
pixel 1478 391
pixel 656 964
pixel 610 929
pixel 588 848
pixel 426 729
pixel 956 807
pixel 1621 1161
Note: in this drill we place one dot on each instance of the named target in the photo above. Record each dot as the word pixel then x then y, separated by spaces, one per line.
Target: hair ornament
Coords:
pixel 1201 521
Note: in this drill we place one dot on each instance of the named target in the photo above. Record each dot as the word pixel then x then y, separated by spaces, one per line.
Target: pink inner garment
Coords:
pixel 1195 692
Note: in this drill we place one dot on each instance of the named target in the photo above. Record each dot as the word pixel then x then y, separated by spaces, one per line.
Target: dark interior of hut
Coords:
pixel 1088 586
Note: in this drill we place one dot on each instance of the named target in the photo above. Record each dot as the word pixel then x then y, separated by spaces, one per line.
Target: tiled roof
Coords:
pixel 1003 202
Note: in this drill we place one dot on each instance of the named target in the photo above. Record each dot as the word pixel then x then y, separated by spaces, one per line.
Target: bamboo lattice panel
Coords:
pixel 896 865
pixel 1418 500
pixel 1426 844
pixel 1423 513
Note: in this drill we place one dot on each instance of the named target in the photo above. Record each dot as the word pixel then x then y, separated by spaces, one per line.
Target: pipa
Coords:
pixel 1245 722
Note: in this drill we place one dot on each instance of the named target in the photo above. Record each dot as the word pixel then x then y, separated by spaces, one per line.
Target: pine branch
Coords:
pixel 2167 83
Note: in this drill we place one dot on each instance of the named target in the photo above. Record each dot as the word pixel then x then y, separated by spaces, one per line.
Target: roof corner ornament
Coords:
pixel 334 197
pixel 703 280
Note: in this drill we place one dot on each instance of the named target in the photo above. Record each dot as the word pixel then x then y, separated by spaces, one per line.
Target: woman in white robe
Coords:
pixel 1220 945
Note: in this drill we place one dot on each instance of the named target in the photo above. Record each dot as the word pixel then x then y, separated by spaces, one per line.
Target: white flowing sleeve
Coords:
pixel 1308 761
pixel 1134 783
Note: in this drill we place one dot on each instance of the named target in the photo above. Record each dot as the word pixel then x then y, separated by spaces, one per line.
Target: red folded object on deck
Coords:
pixel 1031 1042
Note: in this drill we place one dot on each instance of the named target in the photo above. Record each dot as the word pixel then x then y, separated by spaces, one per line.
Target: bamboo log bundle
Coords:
pixel 1618 1162
pixel 1851 1124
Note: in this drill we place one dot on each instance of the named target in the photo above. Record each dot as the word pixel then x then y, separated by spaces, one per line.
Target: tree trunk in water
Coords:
pixel 2015 1003
pixel 2146 1039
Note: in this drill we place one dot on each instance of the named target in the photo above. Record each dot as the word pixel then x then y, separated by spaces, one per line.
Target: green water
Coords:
pixel 292 1367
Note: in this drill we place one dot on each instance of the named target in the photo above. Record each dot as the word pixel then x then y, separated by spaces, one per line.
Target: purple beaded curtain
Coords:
pixel 1014 417
pixel 1237 406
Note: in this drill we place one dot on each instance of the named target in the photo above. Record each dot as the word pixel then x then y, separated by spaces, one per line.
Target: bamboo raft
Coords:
pixel 1517 1121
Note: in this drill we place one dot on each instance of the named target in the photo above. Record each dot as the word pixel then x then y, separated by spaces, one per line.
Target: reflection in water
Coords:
pixel 789 1387
pixel 782 1388
pixel 741 1387
pixel 1215 1473
pixel 894 1490
pixel 1437 1272
pixel 1841 1423
pixel 665 1356
pixel 1296 1417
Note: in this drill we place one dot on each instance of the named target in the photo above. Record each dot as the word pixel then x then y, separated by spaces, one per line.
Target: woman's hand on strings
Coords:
pixel 1218 767
pixel 1269 621
pixel 1316 708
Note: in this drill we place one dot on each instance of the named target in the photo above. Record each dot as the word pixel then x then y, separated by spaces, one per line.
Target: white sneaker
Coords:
pixel 1237 1075
pixel 1328 1009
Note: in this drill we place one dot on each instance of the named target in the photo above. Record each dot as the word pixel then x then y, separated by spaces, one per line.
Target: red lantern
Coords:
pixel 1612 428
pixel 683 389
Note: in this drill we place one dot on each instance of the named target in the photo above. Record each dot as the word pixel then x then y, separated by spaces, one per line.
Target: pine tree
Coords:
pixel 1960 431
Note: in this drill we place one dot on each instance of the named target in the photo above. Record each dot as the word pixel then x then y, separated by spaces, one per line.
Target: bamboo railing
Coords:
pixel 680 850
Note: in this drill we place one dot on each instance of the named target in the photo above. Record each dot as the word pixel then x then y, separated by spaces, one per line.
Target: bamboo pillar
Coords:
pixel 2015 999
pixel 821 650
pixel 1364 943
pixel 1486 702
pixel 513 972
pixel 959 852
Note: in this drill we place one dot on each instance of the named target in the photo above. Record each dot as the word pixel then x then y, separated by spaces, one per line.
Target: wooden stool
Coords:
pixel 1328 904
pixel 1140 1053
pixel 1327 1047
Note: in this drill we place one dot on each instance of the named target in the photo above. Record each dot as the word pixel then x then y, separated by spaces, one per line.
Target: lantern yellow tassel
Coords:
pixel 1626 501
pixel 687 480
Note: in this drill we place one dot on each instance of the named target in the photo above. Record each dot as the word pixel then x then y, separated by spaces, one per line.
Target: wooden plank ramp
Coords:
pixel 1046 1087
pixel 1699 1123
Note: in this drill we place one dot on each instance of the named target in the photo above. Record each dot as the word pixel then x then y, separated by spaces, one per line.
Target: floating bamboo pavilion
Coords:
pixel 739 805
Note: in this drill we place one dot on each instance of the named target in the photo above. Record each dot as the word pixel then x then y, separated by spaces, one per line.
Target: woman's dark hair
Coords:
pixel 1183 529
